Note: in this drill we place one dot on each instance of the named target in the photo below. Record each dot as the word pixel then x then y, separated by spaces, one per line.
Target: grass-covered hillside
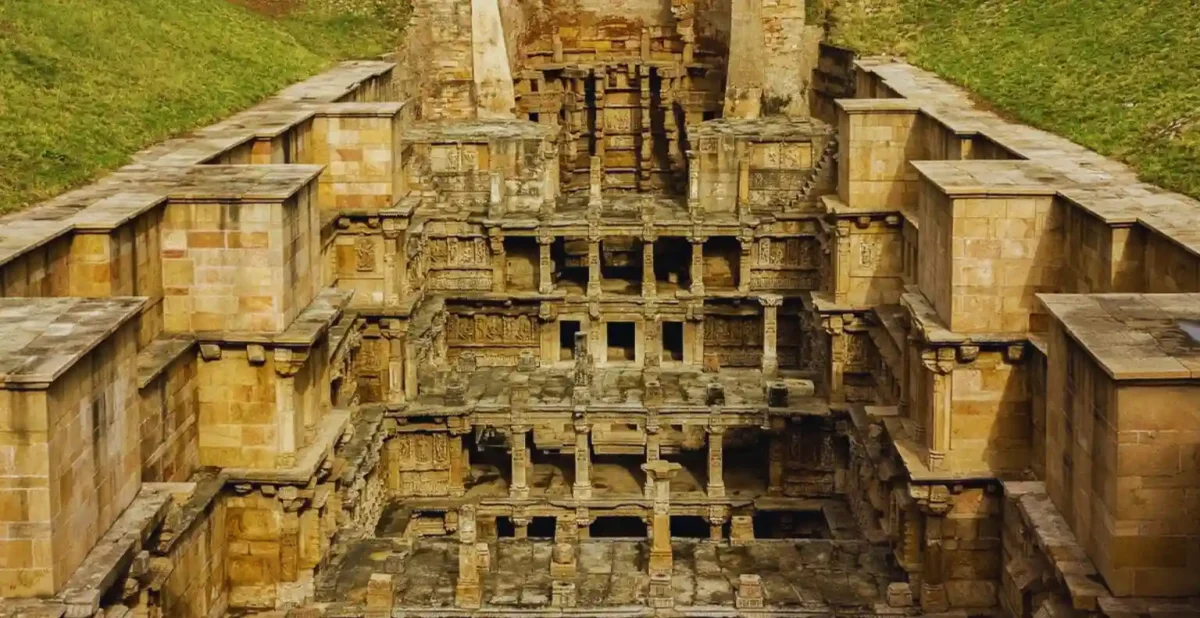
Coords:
pixel 86 83
pixel 1119 76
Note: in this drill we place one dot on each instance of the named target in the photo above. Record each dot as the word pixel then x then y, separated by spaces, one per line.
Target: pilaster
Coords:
pixel 716 461
pixel 582 489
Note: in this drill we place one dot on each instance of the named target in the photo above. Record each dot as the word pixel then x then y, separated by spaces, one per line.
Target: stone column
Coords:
pixel 392 266
pixel 745 263
pixel 593 284
pixel 499 261
pixel 775 453
pixel 717 516
pixel 941 363
pixel 835 328
pixel 601 88
pixel 933 588
pixel 649 285
pixel 545 262
pixel 520 525
pixel 288 419
pixel 595 184
pixel 519 489
pixel 697 272
pixel 459 465
pixel 743 186
pixel 716 461
pixel 468 593
pixel 695 209
pixel 653 455
pixel 399 381
pixel 583 461
pixel 661 472
pixel 770 358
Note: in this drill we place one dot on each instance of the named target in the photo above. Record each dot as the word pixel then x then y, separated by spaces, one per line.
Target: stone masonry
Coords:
pixel 604 308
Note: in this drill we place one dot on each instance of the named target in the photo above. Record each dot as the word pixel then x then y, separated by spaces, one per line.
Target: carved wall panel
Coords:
pixel 811 459
pixel 737 340
pixel 495 340
pixel 419 464
pixel 787 264
pixel 457 252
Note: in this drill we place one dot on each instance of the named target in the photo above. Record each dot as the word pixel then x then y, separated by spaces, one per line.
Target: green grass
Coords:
pixel 1119 76
pixel 86 83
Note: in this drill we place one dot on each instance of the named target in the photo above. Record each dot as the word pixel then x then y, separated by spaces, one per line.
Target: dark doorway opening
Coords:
pixel 505 528
pixel 672 341
pixel 621 342
pixel 566 339
pixel 689 527
pixel 791 525
pixel 541 528
pixel 618 527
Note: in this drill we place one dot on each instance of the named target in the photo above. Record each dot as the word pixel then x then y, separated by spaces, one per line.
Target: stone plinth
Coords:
pixel 749 593
pixel 68 410
pixel 741 530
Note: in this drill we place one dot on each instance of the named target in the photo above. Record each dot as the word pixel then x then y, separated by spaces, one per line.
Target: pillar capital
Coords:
pixel 662 470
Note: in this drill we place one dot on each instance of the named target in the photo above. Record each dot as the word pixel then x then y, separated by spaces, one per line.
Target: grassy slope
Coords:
pixel 1119 76
pixel 85 83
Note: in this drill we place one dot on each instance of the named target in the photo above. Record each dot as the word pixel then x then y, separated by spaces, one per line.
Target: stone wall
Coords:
pixel 169 412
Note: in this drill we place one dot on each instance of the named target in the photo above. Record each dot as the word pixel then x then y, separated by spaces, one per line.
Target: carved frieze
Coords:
pixel 492 329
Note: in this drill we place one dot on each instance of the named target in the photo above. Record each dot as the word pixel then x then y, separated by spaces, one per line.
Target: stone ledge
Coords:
pixel 115 551
pixel 41 338
pixel 1132 336
pixel 308 459
pixel 314 321
pixel 159 354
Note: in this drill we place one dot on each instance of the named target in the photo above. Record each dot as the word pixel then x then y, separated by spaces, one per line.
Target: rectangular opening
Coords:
pixel 689 527
pixel 570 256
pixel 672 341
pixel 505 528
pixel 618 527
pixel 746 464
pixel 521 263
pixel 722 262
pixel 534 117
pixel 622 345
pixel 621 265
pixel 566 339
pixel 541 528
pixel 672 265
pixel 791 525
pixel 618 474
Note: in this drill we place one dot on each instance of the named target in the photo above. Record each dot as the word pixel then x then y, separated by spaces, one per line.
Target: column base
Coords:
pixel 933 598
pixel 468 595
pixel 518 493
pixel 716 491
pixel 581 492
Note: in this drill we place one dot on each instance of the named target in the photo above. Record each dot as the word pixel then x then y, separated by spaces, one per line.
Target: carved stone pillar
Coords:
pixel 601 77
pixel 545 262
pixel 653 454
pixel 499 261
pixel 520 525
pixel 595 185
pixel 834 326
pixel 770 357
pixel 519 489
pixel 649 286
pixel 745 263
pixel 743 186
pixel 459 464
pixel 940 362
pixel 593 284
pixel 695 210
pixel 717 516
pixel 289 423
pixel 661 472
pixel 776 448
pixel 697 271
pixel 468 593
pixel 841 261
pixel 716 461
pixel 934 503
pixel 393 266
pixel 583 461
